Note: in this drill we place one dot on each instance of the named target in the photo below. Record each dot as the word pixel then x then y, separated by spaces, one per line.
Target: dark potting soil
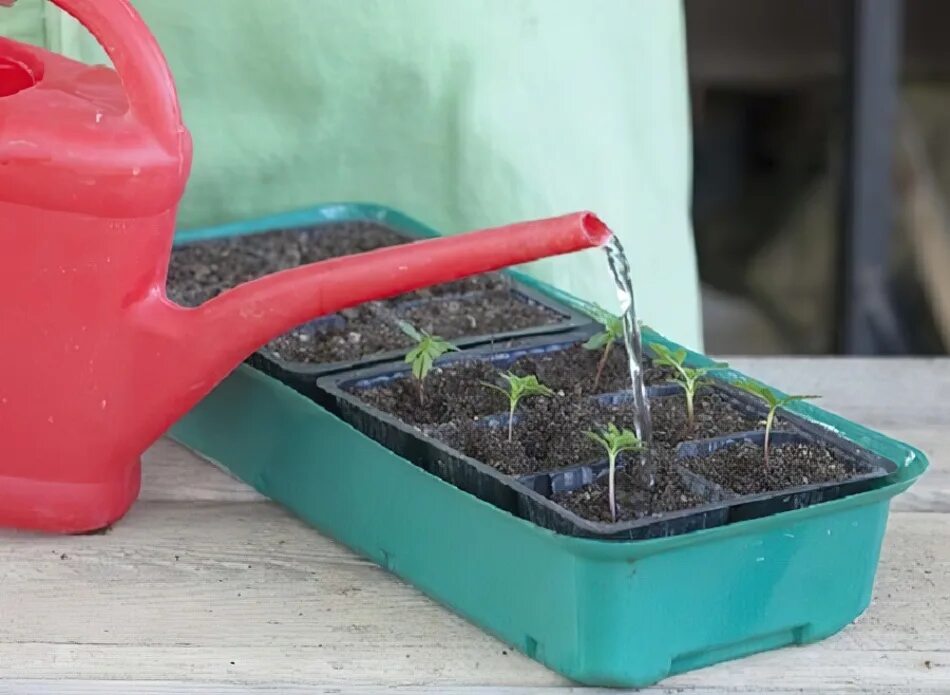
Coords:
pixel 201 271
pixel 454 393
pixel 204 270
pixel 493 311
pixel 549 433
pixel 635 498
pixel 362 330
pixel 573 370
pixel 372 328
pixel 713 416
pixel 741 468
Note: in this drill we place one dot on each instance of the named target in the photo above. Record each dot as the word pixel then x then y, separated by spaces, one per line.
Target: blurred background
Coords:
pixel 822 171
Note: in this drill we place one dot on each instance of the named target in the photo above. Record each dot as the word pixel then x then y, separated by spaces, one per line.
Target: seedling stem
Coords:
pixel 614 441
pixel 689 378
pixel 773 401
pixel 612 332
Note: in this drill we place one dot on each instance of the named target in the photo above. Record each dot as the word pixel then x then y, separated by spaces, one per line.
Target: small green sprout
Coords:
pixel 424 353
pixel 519 387
pixel 774 402
pixel 613 331
pixel 690 378
pixel 614 441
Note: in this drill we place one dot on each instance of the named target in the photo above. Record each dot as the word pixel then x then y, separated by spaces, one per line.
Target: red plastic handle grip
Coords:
pixel 139 62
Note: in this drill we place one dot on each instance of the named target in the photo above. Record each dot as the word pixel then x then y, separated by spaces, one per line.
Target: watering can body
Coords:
pixel 91 169
pixel 95 361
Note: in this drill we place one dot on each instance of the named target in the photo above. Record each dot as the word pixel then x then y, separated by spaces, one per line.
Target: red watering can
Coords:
pixel 95 361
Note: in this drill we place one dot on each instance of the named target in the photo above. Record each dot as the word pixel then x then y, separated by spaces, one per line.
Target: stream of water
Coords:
pixel 620 270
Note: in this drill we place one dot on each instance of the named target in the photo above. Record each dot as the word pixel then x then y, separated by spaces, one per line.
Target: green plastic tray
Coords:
pixel 599 612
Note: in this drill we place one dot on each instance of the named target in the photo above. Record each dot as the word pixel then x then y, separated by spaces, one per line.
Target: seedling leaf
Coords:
pixel 424 353
pixel 774 401
pixel 519 387
pixel 689 378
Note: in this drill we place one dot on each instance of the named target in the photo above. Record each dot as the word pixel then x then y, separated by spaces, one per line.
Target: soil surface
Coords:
pixel 742 468
pixel 548 433
pixel 204 270
pixel 713 416
pixel 480 305
pixel 635 498
pixel 574 369
pixel 454 392
pixel 353 333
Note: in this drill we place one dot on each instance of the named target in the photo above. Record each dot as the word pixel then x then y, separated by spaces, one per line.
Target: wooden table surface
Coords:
pixel 207 587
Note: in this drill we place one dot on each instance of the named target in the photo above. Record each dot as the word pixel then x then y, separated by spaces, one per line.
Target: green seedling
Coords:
pixel 424 353
pixel 614 441
pixel 613 331
pixel 689 378
pixel 519 387
pixel 773 401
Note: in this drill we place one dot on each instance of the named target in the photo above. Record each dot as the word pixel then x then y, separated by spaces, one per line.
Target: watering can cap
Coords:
pixel 90 139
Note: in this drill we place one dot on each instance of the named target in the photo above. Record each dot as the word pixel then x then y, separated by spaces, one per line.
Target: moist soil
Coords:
pixel 203 270
pixel 742 469
pixel 713 416
pixel 636 499
pixel 549 433
pixel 573 371
pixel 480 305
pixel 456 393
pixel 373 328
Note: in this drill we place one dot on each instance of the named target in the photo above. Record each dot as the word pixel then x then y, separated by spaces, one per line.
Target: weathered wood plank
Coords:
pixel 171 472
pixel 126 687
pixel 878 392
pixel 243 593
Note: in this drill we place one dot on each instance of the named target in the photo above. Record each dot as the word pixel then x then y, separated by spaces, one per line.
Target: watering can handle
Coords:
pixel 139 62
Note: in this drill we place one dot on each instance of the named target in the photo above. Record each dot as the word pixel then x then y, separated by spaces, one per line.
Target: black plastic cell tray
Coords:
pixel 540 509
pixel 529 496
pixel 869 468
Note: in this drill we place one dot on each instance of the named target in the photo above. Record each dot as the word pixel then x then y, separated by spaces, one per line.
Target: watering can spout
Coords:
pixel 194 349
